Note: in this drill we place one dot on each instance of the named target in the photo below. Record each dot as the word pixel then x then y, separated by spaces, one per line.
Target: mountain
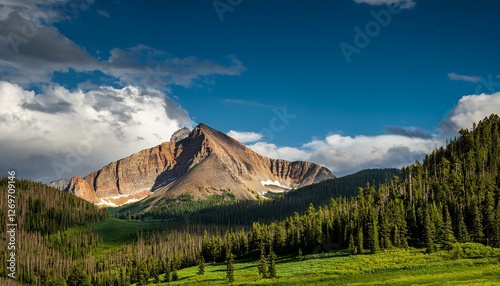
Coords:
pixel 200 163
pixel 61 184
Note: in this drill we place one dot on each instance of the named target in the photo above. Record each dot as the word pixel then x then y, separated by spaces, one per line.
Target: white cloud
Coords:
pixel 405 4
pixel 469 110
pixel 273 151
pixel 345 154
pixel 400 147
pixel 466 78
pixel 80 130
pixel 245 137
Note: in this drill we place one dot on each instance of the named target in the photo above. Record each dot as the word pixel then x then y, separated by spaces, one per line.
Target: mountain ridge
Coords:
pixel 200 163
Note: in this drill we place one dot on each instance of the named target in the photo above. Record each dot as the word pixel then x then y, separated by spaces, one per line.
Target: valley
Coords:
pixel 431 222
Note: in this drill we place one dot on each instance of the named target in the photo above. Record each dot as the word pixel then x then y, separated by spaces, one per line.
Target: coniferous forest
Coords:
pixel 451 197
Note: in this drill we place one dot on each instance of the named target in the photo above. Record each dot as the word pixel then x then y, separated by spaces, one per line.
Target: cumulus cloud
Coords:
pixel 346 154
pixel 272 151
pixel 245 137
pixel 466 78
pixel 31 53
pixel 399 147
pixel 60 133
pixel 469 110
pixel 31 50
pixel 405 4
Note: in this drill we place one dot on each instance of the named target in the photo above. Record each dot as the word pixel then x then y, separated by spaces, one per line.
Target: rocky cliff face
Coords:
pixel 201 162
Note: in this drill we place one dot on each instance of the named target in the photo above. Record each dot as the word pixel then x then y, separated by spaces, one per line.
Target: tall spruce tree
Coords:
pixel 272 264
pixel 262 264
pixel 449 238
pixel 230 267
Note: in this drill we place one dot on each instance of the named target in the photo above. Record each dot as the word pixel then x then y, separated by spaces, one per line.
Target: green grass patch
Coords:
pixel 390 267
pixel 115 232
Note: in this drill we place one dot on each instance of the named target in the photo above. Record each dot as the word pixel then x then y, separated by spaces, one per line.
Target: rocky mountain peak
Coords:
pixel 201 162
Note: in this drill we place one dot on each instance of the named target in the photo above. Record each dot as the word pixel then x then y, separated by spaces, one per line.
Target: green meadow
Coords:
pixel 466 264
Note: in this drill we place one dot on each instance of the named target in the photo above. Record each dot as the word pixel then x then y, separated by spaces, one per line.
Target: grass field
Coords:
pixel 473 264
pixel 114 232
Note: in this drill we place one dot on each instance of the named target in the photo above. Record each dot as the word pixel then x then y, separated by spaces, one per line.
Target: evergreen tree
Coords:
pixel 360 240
pixel 352 245
pixel 449 238
pixel 201 266
pixel 477 225
pixel 373 239
pixel 263 264
pixel 168 270
pixel 462 234
pixel 78 277
pixel 230 267
pixel 143 273
pixel 175 276
pixel 272 264
pixel 496 229
pixel 429 232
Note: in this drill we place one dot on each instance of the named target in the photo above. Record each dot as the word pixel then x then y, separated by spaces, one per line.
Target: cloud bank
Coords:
pixel 398 147
pixel 60 133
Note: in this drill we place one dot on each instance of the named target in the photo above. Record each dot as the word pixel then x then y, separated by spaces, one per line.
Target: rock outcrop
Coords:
pixel 201 163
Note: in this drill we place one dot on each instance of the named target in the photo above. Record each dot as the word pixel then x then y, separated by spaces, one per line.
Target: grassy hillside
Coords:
pixel 474 264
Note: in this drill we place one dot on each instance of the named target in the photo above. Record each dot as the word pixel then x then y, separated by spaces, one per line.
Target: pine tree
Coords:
pixel 78 277
pixel 262 264
pixel 272 264
pixel 429 231
pixel 143 273
pixel 496 230
pixel 373 239
pixel 230 267
pixel 477 225
pixel 462 234
pixel 352 245
pixel 168 269
pixel 175 276
pixel 449 238
pixel 201 266
pixel 360 240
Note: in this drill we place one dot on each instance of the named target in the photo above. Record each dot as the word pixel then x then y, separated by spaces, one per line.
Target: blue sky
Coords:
pixel 235 65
